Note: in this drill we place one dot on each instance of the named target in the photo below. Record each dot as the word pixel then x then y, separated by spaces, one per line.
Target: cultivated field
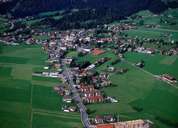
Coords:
pixel 26 101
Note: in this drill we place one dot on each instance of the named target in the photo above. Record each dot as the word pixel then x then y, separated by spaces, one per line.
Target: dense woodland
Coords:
pixel 121 7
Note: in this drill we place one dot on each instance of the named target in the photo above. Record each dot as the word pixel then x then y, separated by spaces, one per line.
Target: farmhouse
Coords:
pixel 90 67
pixel 110 118
pixel 128 124
pixel 105 126
pixel 112 100
pixel 145 50
pixel 99 120
pixel 67 99
pixel 133 124
pixel 140 64
pixel 168 78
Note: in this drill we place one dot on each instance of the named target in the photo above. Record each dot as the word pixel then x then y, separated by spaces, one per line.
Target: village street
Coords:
pixel 77 98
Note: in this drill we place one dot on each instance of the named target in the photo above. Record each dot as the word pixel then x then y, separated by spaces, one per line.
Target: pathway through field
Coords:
pixel 147 72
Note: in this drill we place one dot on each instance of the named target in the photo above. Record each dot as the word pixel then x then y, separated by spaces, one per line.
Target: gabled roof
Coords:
pixel 105 126
pixel 97 51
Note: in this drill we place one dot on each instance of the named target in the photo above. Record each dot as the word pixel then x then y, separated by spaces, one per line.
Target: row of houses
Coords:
pixel 145 50
pixel 127 124
pixel 103 119
pixel 90 95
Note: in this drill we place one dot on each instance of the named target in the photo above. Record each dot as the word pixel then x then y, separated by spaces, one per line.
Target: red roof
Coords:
pixel 95 98
pixel 168 77
pixel 88 88
pixel 105 126
pixel 97 51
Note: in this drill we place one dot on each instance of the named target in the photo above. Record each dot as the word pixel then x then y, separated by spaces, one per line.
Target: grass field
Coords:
pixel 26 101
pixel 156 64
pixel 140 94
pixel 152 33
pixel 150 18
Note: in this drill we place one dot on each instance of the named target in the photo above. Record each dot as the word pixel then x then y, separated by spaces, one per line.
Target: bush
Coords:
pixel 115 62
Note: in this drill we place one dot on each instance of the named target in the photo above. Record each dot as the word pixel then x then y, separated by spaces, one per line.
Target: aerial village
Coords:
pixel 86 80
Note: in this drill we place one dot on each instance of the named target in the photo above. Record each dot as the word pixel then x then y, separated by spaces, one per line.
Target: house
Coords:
pixel 67 60
pixel 72 108
pixel 93 93
pixel 105 83
pixel 133 124
pixel 90 94
pixel 90 67
pixel 85 88
pixel 111 69
pixel 127 124
pixel 99 120
pixel 168 78
pixel 105 126
pixel 53 74
pixel 145 50
pixel 46 67
pixel 140 64
pixel 112 100
pixel 67 99
pixel 150 51
pixel 93 99
pixel 110 119
pixel 62 90
pixel 97 51
pixel 84 50
pixel 66 110
pixel 102 40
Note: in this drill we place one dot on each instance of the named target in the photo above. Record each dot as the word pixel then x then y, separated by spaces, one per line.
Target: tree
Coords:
pixel 141 22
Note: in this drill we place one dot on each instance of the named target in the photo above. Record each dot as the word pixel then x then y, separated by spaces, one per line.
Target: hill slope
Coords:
pixel 121 7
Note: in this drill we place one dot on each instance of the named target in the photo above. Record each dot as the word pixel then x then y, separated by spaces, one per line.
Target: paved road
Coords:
pixel 12 24
pixel 77 98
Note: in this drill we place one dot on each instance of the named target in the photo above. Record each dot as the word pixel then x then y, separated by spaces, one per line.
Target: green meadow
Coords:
pixel 26 101
pixel 156 64
pixel 140 95
pixel 149 18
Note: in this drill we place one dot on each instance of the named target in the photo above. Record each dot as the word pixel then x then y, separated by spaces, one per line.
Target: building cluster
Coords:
pixel 90 95
pixel 87 81
pixel 127 124
pixel 122 26
pixel 106 119
pixel 168 78
pixel 145 50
